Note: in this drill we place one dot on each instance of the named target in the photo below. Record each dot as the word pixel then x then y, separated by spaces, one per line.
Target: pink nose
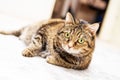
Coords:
pixel 70 44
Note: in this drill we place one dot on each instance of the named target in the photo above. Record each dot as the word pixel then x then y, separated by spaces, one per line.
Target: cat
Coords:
pixel 68 43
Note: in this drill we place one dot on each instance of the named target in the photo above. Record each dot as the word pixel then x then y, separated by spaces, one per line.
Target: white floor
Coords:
pixel 105 64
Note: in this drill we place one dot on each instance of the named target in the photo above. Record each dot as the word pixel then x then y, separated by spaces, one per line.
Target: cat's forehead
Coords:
pixel 71 28
pixel 76 27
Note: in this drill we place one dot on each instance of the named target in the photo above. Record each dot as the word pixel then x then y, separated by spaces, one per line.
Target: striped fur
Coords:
pixel 65 43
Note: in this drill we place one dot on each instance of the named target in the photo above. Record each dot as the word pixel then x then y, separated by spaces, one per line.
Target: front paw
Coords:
pixel 51 59
pixel 44 54
pixel 27 53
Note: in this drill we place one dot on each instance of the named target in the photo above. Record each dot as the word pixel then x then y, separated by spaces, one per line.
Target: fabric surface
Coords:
pixel 105 64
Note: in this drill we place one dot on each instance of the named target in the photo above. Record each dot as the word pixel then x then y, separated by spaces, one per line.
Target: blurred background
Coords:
pixel 89 10
pixel 22 12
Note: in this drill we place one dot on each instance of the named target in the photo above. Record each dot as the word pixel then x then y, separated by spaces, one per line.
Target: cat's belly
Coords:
pixel 26 38
pixel 28 33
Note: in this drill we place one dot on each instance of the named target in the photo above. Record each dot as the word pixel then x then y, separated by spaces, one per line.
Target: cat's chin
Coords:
pixel 70 50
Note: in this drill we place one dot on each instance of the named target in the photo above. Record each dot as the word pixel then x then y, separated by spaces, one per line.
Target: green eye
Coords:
pixel 81 40
pixel 67 35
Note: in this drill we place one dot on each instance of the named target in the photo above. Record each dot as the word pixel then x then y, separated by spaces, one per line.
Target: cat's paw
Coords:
pixel 44 54
pixel 27 53
pixel 51 59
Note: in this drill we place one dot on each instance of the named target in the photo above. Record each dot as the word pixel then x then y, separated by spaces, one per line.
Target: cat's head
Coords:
pixel 77 37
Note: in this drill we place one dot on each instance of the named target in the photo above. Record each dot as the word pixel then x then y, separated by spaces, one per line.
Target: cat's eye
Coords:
pixel 81 40
pixel 67 35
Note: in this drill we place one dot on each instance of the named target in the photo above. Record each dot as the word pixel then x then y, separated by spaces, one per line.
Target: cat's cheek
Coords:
pixel 70 50
pixel 64 44
pixel 67 40
pixel 61 39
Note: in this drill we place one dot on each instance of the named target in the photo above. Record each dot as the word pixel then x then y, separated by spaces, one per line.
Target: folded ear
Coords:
pixel 69 18
pixel 93 28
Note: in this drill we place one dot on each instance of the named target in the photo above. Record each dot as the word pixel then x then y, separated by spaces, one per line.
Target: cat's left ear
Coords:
pixel 69 18
pixel 93 28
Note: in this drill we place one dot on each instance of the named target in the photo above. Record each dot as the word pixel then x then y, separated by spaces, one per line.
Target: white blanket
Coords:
pixel 105 64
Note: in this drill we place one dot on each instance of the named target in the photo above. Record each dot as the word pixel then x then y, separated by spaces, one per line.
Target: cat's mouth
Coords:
pixel 70 50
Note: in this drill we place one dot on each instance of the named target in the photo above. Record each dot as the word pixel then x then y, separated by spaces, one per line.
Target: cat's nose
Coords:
pixel 70 44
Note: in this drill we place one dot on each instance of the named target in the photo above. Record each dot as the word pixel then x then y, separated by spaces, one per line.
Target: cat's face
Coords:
pixel 77 39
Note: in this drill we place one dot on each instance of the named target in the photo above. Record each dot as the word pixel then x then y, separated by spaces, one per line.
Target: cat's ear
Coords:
pixel 69 18
pixel 93 28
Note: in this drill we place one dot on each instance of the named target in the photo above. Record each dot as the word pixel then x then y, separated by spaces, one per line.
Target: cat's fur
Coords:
pixel 67 43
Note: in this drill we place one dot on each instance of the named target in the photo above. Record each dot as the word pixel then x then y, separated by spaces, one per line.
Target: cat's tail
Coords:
pixel 16 33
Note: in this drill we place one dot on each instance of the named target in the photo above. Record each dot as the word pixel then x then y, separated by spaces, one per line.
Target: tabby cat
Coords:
pixel 68 43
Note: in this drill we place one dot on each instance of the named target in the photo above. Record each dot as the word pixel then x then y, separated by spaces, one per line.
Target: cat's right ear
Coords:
pixel 69 19
pixel 93 28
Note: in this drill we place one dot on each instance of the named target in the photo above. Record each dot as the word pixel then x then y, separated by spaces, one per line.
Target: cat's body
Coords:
pixel 62 42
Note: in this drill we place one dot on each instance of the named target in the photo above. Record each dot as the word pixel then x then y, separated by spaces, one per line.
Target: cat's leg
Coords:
pixel 56 60
pixel 34 47
pixel 49 48
pixel 44 54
